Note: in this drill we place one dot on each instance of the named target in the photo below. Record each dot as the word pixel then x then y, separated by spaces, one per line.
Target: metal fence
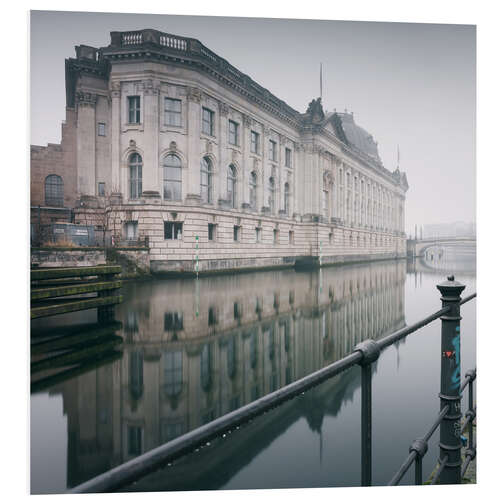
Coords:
pixel 364 354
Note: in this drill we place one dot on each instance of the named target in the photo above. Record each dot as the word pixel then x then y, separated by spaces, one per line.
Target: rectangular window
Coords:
pixel 258 235
pixel 173 112
pixel 272 150
pixel 101 189
pixel 330 238
pixel 290 237
pixel 212 232
pixel 276 235
pixel 212 316
pixel 254 142
pixel 288 158
pixel 134 440
pixel 207 121
pixel 101 129
pixel 233 133
pixel 131 230
pixel 236 233
pixel 134 109
pixel 173 230
pixel 173 321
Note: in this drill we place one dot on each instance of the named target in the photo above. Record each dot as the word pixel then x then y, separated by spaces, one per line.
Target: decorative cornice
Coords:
pixel 86 99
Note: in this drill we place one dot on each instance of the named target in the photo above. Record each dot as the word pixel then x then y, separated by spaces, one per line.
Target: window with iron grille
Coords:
pixel 207 121
pixel 54 191
pixel 173 112
pixel 134 109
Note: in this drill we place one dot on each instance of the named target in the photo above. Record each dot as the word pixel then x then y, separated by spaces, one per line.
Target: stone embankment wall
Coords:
pixel 134 261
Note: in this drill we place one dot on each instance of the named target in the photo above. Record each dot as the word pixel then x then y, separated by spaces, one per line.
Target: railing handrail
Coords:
pixel 145 463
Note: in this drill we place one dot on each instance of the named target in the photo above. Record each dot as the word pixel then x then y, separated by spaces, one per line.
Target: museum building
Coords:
pixel 167 144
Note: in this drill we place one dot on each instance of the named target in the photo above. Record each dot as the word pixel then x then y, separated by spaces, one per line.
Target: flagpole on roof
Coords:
pixel 321 81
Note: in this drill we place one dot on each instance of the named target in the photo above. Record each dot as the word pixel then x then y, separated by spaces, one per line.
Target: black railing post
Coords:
pixel 419 446
pixel 370 351
pixel 471 374
pixel 450 429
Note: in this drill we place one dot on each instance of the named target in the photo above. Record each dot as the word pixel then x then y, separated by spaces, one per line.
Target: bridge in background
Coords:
pixel 417 248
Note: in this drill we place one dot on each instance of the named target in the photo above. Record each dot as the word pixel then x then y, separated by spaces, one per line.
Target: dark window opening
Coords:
pixel 173 230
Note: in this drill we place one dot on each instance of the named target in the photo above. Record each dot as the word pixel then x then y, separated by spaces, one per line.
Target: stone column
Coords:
pixel 150 169
pixel 263 193
pixel 85 150
pixel 244 180
pixel 221 189
pixel 116 188
pixel 192 189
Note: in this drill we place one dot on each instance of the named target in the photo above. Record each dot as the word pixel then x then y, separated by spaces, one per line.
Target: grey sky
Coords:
pixel 407 84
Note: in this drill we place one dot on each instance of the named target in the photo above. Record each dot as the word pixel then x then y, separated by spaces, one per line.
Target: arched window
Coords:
pixel 54 191
pixel 271 189
pixel 231 185
pixel 287 198
pixel 206 180
pixel 135 168
pixel 172 178
pixel 253 189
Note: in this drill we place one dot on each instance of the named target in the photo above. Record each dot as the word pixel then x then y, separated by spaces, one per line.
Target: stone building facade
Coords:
pixel 176 147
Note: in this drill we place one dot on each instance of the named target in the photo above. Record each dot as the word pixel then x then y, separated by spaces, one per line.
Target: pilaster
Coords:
pixel 85 152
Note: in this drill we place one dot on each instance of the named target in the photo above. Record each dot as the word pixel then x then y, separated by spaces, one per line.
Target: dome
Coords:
pixel 357 136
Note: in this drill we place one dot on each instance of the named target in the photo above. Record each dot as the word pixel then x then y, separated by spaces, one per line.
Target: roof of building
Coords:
pixel 357 136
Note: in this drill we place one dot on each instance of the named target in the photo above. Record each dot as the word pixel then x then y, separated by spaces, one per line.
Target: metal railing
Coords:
pixel 364 354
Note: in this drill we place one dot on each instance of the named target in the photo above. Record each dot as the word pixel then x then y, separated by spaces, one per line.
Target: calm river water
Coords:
pixel 194 350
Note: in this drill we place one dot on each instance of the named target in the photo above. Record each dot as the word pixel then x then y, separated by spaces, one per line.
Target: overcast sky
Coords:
pixel 407 84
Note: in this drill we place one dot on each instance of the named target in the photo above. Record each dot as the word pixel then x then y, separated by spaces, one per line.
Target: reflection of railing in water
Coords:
pixel 65 352
pixel 365 353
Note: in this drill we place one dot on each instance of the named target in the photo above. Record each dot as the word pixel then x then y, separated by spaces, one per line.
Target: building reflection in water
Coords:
pixel 194 351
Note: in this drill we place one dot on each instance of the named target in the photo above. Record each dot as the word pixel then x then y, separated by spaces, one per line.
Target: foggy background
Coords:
pixel 407 84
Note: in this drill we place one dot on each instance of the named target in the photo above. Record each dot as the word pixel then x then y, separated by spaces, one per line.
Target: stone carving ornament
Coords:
pixel 223 109
pixel 194 94
pixel 86 99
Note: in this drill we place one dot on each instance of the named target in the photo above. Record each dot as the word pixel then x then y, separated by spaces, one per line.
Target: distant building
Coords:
pixel 168 143
pixel 452 229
